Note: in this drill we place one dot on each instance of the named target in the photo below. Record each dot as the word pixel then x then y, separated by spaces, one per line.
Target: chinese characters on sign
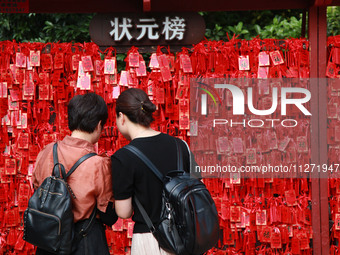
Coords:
pixel 145 30
pixel 171 28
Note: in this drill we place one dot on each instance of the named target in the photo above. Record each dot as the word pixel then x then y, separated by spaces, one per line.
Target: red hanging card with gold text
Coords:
pixel 34 58
pixel 235 213
pixel 118 226
pixel 99 66
pixel 130 229
pixel 304 241
pixel 266 234
pixel 10 166
pixel 171 60
pixel 261 218
pixel 184 122
pixel 123 81
pixel 186 63
pixel 23 141
pixel 20 60
pixel 3 90
pixel 264 59
pixel 115 92
pixel 75 61
pixel 134 59
pixel 87 63
pixel 46 61
pixel 141 70
pixel 331 70
pixel 251 156
pixel 160 95
pixel 109 66
pixel 302 146
pixel 290 197
pixel 28 86
pixel 276 57
pixel 238 145
pixel 276 242
pixel 164 67
pixel 59 61
pixel 262 72
pixel 153 61
pixel 44 92
pixel 85 82
pixel 337 221
pixel 243 63
pixel 223 145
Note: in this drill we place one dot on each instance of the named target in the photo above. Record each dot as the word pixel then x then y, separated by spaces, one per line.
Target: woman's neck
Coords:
pixel 140 131
pixel 83 135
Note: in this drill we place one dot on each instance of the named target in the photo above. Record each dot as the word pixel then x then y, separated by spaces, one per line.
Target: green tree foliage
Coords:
pixel 248 24
pixel 281 28
pixel 45 27
pixel 333 20
pixel 265 24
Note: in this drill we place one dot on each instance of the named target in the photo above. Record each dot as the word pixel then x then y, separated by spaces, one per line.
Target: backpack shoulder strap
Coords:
pixel 55 154
pixel 190 155
pixel 180 165
pixel 56 171
pixel 81 160
pixel 57 168
pixel 85 228
pixel 146 161
pixel 144 215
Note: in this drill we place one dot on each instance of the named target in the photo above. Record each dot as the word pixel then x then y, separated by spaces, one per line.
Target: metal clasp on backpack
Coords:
pixel 168 208
pixel 82 233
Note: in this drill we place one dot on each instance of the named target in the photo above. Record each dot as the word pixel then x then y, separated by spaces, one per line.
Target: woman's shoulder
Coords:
pixel 122 152
pixel 149 143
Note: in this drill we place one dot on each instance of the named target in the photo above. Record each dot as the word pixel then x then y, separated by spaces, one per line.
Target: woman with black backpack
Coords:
pixel 131 177
pixel 173 212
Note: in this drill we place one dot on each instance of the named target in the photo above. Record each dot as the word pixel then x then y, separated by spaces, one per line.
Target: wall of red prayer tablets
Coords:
pixel 333 138
pixel 257 216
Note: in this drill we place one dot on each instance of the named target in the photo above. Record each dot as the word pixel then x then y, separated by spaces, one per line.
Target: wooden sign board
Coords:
pixel 146 29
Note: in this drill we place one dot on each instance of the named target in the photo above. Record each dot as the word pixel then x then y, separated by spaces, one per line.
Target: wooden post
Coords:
pixel 313 41
pixel 317 33
pixel 323 149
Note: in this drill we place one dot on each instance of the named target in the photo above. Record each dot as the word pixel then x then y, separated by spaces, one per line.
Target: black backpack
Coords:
pixel 48 220
pixel 189 221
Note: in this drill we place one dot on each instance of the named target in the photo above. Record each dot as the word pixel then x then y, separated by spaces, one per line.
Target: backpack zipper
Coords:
pixel 50 215
pixel 178 184
pixel 170 193
pixel 53 193
pixel 68 187
pixel 193 191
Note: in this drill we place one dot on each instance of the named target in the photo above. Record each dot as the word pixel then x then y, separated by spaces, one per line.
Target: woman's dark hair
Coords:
pixel 85 112
pixel 136 105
